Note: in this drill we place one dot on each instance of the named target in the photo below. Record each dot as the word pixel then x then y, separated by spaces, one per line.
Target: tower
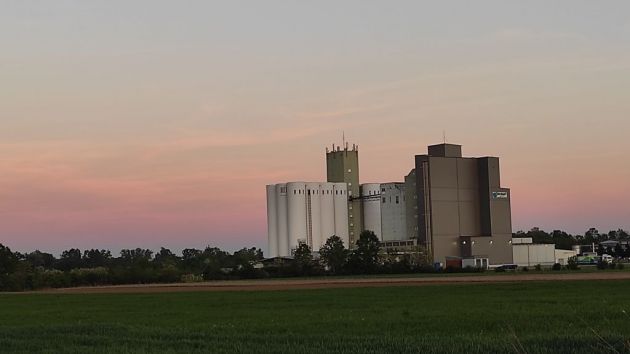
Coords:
pixel 342 165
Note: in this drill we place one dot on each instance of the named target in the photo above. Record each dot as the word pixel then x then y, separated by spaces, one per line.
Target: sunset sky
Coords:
pixel 130 124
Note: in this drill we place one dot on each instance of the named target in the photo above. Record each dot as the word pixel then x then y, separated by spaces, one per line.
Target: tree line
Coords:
pixel 38 270
pixel 564 240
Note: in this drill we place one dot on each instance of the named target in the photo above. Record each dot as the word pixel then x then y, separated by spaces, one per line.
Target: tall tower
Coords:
pixel 342 165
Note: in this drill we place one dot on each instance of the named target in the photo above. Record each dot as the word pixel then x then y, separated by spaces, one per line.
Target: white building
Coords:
pixel 384 210
pixel 308 212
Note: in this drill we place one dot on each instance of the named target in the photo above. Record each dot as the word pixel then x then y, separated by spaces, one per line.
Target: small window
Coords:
pixel 383 200
pixel 397 200
pixel 336 192
pixel 349 170
pixel 294 191
pixel 382 189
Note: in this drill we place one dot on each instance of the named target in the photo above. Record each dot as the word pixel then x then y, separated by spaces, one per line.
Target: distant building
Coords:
pixel 453 206
pixel 308 212
pixel 342 166
pixel 383 206
pixel 459 208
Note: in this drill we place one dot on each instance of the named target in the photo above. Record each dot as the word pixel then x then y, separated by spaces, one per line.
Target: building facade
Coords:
pixel 342 166
pixel 305 212
pixel 384 210
pixel 459 208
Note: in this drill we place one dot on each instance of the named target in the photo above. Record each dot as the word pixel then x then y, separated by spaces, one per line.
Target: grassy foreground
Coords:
pixel 545 317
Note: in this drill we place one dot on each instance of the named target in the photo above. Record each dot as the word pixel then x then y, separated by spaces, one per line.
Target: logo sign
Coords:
pixel 499 195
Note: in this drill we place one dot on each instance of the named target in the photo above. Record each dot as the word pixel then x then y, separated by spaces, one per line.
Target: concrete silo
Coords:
pixel 296 214
pixel 282 222
pixel 371 198
pixel 272 222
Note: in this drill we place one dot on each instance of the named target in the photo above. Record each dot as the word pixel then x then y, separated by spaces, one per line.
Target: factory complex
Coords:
pixel 453 206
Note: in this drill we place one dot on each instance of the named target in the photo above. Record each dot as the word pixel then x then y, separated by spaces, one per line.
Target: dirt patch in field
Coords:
pixel 319 283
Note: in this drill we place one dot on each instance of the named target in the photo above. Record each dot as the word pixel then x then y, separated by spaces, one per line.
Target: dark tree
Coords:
pixel 303 259
pixel 40 259
pixel 70 259
pixel 364 259
pixel 96 258
pixel 334 254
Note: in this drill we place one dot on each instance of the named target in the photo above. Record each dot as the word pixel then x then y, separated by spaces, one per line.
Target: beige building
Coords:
pixel 456 206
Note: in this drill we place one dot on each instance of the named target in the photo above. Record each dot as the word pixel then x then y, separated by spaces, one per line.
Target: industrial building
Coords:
pixel 307 212
pixel 454 206
pixel 459 207
pixel 529 254
pixel 342 166
pixel 384 210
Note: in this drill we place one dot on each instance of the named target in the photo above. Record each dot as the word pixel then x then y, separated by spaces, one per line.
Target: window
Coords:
pixel 294 191
pixel 336 192
pixel 382 189
pixel 383 200
pixel 397 200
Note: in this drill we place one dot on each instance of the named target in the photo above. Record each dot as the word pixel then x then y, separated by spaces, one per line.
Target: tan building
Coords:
pixel 456 206
pixel 342 165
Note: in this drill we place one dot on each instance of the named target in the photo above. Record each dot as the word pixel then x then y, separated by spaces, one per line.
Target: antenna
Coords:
pixel 343 138
pixel 444 136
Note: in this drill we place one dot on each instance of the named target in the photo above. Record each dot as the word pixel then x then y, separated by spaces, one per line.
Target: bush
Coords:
pixel 556 266
pixel 620 266
pixel 525 269
pixel 572 264
pixel 191 278
pixel 538 267
pixel 601 264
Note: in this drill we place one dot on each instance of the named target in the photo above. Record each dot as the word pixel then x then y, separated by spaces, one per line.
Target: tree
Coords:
pixel 40 259
pixel 303 259
pixel 364 259
pixel 70 259
pixel 8 261
pixel 96 258
pixel 334 254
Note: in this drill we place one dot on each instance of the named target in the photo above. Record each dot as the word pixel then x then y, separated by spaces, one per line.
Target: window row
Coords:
pixel 316 191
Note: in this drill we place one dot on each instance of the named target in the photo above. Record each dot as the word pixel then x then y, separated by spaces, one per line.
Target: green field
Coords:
pixel 545 317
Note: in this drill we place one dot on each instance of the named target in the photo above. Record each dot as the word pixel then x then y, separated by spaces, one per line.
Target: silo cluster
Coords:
pixel 308 212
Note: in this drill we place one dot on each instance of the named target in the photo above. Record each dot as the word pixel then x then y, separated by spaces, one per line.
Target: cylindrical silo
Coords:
pixel 370 195
pixel 272 222
pixel 282 223
pixel 314 216
pixel 327 208
pixel 296 196
pixel 340 199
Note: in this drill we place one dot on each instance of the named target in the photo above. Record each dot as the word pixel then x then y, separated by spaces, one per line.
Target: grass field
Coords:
pixel 535 317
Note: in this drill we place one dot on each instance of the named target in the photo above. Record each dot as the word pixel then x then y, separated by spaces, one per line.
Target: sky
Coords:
pixel 130 124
